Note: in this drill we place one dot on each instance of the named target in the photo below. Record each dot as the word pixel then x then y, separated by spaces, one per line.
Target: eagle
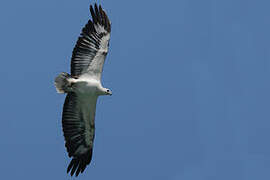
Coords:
pixel 83 87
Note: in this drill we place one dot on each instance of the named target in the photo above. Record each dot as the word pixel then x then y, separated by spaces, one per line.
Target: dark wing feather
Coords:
pixel 90 41
pixel 78 128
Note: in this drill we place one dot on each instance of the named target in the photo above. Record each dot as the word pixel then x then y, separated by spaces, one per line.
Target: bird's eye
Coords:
pixel 108 90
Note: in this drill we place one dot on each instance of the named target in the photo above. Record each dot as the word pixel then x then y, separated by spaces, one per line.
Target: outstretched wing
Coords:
pixel 92 46
pixel 78 122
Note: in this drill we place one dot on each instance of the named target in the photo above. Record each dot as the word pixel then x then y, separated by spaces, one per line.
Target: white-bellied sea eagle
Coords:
pixel 83 86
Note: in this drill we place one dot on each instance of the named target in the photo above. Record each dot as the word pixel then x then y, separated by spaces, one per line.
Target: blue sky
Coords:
pixel 190 82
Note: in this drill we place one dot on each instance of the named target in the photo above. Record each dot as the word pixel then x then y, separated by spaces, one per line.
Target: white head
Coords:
pixel 107 91
pixel 103 91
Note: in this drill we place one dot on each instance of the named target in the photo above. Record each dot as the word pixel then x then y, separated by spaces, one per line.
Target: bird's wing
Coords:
pixel 78 122
pixel 92 46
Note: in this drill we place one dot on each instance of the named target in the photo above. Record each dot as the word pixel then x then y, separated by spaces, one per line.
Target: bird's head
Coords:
pixel 108 92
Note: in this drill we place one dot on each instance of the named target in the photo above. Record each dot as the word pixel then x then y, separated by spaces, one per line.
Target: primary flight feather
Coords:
pixel 83 87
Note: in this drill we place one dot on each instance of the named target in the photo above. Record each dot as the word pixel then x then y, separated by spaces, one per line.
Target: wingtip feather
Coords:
pixel 79 164
pixel 99 16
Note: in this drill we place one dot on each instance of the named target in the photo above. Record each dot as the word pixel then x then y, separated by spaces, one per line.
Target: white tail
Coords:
pixel 61 82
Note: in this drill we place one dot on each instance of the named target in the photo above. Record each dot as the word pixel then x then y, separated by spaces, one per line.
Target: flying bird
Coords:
pixel 83 87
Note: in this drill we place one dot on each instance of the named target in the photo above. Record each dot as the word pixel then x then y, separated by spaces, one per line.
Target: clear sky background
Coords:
pixel 190 82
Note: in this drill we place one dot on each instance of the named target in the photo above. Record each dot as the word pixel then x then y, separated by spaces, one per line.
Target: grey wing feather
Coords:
pixel 79 129
pixel 92 44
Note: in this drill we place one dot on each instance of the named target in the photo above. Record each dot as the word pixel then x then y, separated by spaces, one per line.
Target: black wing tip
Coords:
pixel 78 164
pixel 100 16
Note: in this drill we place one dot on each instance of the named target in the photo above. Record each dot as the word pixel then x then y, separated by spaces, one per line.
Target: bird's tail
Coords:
pixel 61 82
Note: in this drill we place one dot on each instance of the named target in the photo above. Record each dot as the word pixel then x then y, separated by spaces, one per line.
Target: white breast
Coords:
pixel 88 87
